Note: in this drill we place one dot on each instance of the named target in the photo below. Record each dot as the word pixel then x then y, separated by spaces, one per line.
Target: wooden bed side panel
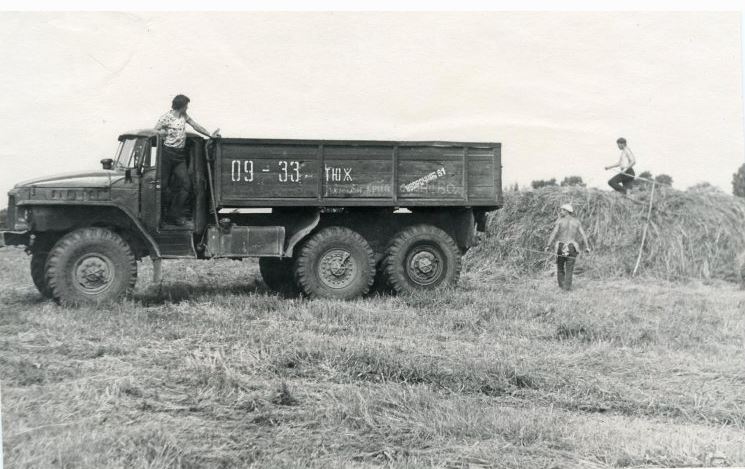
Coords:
pixel 334 173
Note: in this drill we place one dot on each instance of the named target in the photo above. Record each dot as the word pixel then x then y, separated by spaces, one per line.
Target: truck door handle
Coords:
pixel 155 183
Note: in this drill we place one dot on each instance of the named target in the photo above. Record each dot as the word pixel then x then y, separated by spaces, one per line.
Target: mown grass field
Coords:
pixel 211 370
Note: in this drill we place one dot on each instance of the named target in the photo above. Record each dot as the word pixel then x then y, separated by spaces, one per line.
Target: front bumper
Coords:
pixel 14 238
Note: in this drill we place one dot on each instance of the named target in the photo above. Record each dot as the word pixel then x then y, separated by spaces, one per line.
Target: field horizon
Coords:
pixel 210 369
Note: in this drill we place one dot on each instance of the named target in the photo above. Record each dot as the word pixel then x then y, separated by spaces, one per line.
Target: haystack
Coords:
pixel 690 234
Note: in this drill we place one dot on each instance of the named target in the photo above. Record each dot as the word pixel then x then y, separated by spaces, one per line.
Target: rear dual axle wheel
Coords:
pixel 338 263
pixel 335 263
pixel 422 257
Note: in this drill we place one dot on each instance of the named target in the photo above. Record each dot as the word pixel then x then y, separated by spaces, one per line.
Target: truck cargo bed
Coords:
pixel 335 173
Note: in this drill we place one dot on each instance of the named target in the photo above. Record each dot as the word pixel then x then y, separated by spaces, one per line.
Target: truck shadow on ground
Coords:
pixel 176 292
pixel 12 300
pixel 155 295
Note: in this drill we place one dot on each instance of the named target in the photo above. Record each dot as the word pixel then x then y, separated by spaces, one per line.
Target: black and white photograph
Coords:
pixel 327 235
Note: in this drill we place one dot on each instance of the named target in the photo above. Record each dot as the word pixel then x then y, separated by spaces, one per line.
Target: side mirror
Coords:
pixel 107 163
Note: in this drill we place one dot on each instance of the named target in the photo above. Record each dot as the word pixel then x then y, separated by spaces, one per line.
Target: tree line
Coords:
pixel 643 181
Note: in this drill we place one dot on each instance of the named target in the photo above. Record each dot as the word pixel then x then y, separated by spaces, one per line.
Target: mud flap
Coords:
pixel 465 232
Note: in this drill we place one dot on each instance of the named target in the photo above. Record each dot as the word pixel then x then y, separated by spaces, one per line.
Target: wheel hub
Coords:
pixel 337 268
pixel 424 262
pixel 93 274
pixel 424 266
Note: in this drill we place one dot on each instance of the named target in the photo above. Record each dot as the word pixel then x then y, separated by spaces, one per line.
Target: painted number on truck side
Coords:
pixel 243 171
pixel 289 171
pixel 247 169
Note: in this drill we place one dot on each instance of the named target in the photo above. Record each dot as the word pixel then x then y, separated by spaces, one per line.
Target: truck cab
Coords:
pixel 326 218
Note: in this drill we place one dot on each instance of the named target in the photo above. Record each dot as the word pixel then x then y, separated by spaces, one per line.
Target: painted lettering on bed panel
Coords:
pixel 431 178
pixel 350 178
pixel 358 171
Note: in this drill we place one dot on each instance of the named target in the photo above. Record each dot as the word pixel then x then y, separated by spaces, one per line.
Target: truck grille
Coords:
pixel 10 216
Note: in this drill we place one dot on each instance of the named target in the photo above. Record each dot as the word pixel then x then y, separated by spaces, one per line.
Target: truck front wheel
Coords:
pixel 336 263
pixel 278 275
pixel 38 275
pixel 90 266
pixel 40 248
pixel 422 257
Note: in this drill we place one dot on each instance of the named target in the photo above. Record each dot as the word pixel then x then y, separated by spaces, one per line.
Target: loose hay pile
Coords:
pixel 691 235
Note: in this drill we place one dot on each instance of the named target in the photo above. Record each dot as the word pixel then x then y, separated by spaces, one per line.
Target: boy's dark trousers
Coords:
pixel 175 175
pixel 565 260
pixel 622 182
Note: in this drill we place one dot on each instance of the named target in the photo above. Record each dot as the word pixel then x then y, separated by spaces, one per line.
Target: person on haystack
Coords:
pixel 566 231
pixel 623 181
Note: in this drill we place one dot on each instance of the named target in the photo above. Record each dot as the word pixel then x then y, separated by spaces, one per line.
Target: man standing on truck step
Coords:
pixel 622 181
pixel 566 233
pixel 172 126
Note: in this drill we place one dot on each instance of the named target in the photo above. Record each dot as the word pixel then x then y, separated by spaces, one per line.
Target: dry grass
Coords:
pixel 691 234
pixel 210 370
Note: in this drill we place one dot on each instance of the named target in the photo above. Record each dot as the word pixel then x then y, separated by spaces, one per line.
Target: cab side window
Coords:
pixel 150 158
pixel 140 152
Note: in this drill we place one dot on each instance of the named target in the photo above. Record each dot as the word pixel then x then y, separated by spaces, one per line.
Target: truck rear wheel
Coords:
pixel 90 266
pixel 335 263
pixel 278 275
pixel 422 257
pixel 38 274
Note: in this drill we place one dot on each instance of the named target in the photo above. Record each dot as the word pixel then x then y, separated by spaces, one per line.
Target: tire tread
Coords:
pixel 81 236
pixel 38 272
pixel 304 262
pixel 396 272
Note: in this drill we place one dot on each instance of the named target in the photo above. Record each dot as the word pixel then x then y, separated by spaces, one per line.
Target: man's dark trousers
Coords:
pixel 565 260
pixel 176 175
pixel 622 182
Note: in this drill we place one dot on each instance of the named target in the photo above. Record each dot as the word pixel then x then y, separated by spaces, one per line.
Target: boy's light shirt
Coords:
pixel 626 160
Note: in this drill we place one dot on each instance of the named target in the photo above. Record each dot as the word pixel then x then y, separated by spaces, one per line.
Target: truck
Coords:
pixel 325 218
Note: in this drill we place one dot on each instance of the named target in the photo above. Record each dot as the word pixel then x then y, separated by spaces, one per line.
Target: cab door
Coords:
pixel 150 187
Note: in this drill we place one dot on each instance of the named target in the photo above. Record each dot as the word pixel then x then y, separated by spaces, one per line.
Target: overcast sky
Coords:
pixel 556 89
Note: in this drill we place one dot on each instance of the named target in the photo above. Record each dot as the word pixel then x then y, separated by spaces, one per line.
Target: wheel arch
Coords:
pixel 55 220
pixel 307 225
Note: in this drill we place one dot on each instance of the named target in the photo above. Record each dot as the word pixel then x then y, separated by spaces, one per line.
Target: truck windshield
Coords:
pixel 131 152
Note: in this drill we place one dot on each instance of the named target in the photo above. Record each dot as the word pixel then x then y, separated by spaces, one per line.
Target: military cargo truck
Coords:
pixel 326 218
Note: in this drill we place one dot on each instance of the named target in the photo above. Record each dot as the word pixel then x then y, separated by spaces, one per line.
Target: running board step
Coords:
pixel 176 244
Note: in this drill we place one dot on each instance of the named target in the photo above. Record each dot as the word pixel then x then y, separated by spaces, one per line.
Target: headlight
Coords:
pixel 23 219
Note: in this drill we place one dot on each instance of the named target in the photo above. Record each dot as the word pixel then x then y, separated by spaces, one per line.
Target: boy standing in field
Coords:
pixel 566 233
